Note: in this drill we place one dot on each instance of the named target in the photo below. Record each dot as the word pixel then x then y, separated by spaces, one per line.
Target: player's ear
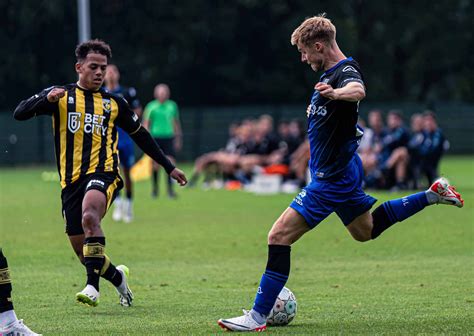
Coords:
pixel 78 67
pixel 318 46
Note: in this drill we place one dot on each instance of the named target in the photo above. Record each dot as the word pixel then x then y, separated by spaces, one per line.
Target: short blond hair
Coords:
pixel 313 29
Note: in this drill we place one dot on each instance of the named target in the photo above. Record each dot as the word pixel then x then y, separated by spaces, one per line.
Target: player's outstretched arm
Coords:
pixel 144 140
pixel 352 92
pixel 41 103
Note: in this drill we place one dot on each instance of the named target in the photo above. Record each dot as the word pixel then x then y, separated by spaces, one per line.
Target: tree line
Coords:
pixel 215 52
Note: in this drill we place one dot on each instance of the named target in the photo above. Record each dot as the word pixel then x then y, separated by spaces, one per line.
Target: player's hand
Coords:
pixel 326 90
pixel 178 175
pixel 55 94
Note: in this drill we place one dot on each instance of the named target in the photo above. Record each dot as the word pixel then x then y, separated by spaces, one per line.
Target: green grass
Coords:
pixel 200 258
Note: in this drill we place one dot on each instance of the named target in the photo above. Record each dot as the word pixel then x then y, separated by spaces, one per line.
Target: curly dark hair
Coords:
pixel 95 46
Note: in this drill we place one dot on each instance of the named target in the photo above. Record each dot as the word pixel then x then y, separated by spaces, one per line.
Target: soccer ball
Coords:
pixel 284 309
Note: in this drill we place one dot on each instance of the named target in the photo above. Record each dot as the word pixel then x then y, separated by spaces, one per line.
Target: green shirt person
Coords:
pixel 161 119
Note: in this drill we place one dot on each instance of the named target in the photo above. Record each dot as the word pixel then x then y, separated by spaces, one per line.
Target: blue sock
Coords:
pixel 397 210
pixel 402 208
pixel 271 285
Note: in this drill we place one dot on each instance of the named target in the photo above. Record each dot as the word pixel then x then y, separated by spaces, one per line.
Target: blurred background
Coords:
pixel 230 60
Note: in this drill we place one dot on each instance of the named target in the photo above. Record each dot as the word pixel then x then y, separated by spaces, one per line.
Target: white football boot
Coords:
pixel 17 328
pixel 446 193
pixel 127 211
pixel 124 292
pixel 118 210
pixel 242 323
pixel 88 296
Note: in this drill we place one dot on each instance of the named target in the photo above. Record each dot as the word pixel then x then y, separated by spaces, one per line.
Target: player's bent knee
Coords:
pixel 361 237
pixel 361 227
pixel 90 220
pixel 277 237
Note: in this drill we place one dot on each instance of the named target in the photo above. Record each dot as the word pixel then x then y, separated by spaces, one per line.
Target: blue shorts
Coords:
pixel 126 154
pixel 344 196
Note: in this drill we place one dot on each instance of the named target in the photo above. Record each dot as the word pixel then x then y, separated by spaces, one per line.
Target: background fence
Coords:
pixel 206 129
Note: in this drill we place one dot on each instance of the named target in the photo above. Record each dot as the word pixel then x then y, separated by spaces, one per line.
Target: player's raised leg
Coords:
pixel 286 230
pixel 370 226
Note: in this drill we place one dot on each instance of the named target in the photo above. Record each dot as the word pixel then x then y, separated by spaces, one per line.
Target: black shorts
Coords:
pixel 72 196
pixel 167 146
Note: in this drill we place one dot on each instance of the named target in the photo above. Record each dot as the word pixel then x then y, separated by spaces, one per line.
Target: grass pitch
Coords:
pixel 200 258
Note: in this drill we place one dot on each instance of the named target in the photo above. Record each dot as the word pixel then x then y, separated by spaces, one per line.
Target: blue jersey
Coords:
pixel 130 95
pixel 333 132
pixel 434 145
pixel 393 139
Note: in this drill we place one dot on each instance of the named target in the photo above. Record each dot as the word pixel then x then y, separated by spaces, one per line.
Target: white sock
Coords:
pixel 259 318
pixel 432 197
pixel 7 318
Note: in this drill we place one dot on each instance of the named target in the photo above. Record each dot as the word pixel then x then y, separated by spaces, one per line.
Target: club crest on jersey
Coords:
pixel 107 106
pixel 73 121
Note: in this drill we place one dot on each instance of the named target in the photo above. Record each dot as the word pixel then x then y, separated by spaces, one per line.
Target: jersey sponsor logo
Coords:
pixel 320 110
pixel 94 123
pixel 349 68
pixel 70 100
pixel 106 105
pixel 73 121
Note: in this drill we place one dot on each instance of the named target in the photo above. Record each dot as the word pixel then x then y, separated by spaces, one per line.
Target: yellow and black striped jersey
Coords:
pixel 85 132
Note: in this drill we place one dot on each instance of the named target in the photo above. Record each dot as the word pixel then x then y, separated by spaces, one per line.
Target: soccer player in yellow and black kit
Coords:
pixel 9 323
pixel 85 120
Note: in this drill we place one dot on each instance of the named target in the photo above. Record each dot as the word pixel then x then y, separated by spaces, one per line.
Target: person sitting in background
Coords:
pixel 299 162
pixel 394 155
pixel 225 161
pixel 292 139
pixel 414 148
pixel 433 146
pixel 266 147
pixel 208 164
pixel 370 155
pixel 365 145
pixel 279 161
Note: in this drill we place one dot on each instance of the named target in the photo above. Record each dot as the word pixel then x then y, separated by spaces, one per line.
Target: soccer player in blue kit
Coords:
pixel 123 206
pixel 336 170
